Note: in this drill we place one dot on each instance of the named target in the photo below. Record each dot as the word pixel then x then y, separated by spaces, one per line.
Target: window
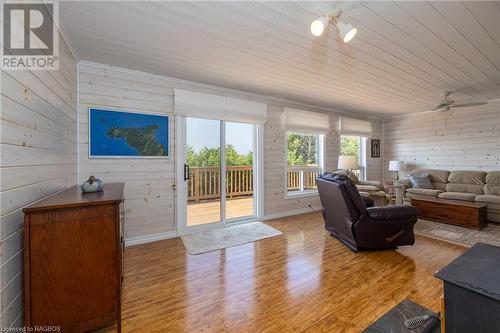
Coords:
pixel 355 145
pixel 304 162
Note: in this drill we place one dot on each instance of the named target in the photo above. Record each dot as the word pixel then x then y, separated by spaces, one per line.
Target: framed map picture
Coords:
pixel 122 134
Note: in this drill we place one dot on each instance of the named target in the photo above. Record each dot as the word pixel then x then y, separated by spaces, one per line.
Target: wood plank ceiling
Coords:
pixel 404 56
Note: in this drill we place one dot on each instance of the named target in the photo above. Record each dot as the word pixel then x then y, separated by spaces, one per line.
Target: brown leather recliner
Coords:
pixel 349 220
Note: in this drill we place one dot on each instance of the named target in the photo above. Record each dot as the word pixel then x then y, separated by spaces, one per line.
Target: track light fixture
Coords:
pixel 346 31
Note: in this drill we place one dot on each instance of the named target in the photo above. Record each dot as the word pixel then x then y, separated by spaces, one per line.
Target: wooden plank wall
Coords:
pixel 459 139
pixel 374 166
pixel 38 158
pixel 149 192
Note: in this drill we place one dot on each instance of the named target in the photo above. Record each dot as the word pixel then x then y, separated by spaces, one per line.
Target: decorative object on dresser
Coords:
pixel 396 166
pixel 375 148
pixel 73 252
pixel 462 213
pixel 472 291
pixel 92 185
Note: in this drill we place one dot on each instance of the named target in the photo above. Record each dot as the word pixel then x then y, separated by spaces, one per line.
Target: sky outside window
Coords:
pixel 204 133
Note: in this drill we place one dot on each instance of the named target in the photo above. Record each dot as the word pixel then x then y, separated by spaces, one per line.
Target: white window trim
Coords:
pixel 320 167
pixel 362 157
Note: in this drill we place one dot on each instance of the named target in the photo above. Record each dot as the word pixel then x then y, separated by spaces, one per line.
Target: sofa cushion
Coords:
pixel 467 177
pixel 466 181
pixel 488 198
pixel 492 186
pixel 379 197
pixel 438 178
pixel 439 185
pixel 493 178
pixel 367 188
pixel 372 183
pixel 378 194
pixel 434 174
pixel 465 188
pixel 424 191
pixel 421 181
pixel 492 189
pixel 457 196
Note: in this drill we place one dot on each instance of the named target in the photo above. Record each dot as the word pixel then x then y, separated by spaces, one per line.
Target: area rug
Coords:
pixel 458 235
pixel 205 241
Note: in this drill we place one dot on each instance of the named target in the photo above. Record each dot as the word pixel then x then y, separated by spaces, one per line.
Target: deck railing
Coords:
pixel 300 178
pixel 204 182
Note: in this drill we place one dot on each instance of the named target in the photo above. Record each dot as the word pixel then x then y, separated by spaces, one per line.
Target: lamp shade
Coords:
pixel 319 25
pixel 346 31
pixel 396 165
pixel 348 162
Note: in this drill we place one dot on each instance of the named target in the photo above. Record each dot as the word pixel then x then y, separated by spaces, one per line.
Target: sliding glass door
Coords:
pixel 218 172
pixel 239 170
pixel 202 171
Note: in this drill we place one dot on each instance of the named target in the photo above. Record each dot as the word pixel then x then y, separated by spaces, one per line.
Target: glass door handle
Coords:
pixel 186 172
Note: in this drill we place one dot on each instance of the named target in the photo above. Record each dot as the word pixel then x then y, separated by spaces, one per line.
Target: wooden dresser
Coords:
pixel 73 252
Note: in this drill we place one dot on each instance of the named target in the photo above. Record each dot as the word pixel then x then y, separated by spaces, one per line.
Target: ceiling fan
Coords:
pixel 447 103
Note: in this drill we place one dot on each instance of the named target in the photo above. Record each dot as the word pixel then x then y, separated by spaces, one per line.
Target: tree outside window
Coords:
pixel 210 157
pixel 302 149
pixel 303 160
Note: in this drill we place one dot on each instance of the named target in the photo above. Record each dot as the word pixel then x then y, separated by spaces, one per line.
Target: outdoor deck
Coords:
pixel 206 212
pixel 204 187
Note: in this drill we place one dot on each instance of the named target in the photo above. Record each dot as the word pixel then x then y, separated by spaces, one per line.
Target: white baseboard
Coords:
pixel 150 238
pixel 299 211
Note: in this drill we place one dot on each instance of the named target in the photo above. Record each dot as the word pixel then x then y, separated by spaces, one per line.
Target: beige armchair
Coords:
pixel 371 188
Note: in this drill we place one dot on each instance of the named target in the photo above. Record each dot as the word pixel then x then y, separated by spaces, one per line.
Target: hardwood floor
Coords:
pixel 302 281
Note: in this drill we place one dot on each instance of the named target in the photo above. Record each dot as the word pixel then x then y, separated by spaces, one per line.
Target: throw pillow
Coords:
pixel 353 176
pixel 349 174
pixel 421 181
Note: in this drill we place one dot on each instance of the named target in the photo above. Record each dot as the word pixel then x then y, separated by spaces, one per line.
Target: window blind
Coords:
pixel 350 126
pixel 195 104
pixel 306 122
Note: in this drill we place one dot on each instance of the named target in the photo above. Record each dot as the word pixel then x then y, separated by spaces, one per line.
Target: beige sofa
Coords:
pixel 370 188
pixel 464 185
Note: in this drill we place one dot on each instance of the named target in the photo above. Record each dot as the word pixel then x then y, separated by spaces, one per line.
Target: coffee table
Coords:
pixel 457 212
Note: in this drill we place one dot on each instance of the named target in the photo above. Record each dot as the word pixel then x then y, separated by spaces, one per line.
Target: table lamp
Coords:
pixel 348 162
pixel 396 166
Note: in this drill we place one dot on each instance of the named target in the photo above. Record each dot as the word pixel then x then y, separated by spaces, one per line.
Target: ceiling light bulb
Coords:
pixel 319 25
pixel 346 31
